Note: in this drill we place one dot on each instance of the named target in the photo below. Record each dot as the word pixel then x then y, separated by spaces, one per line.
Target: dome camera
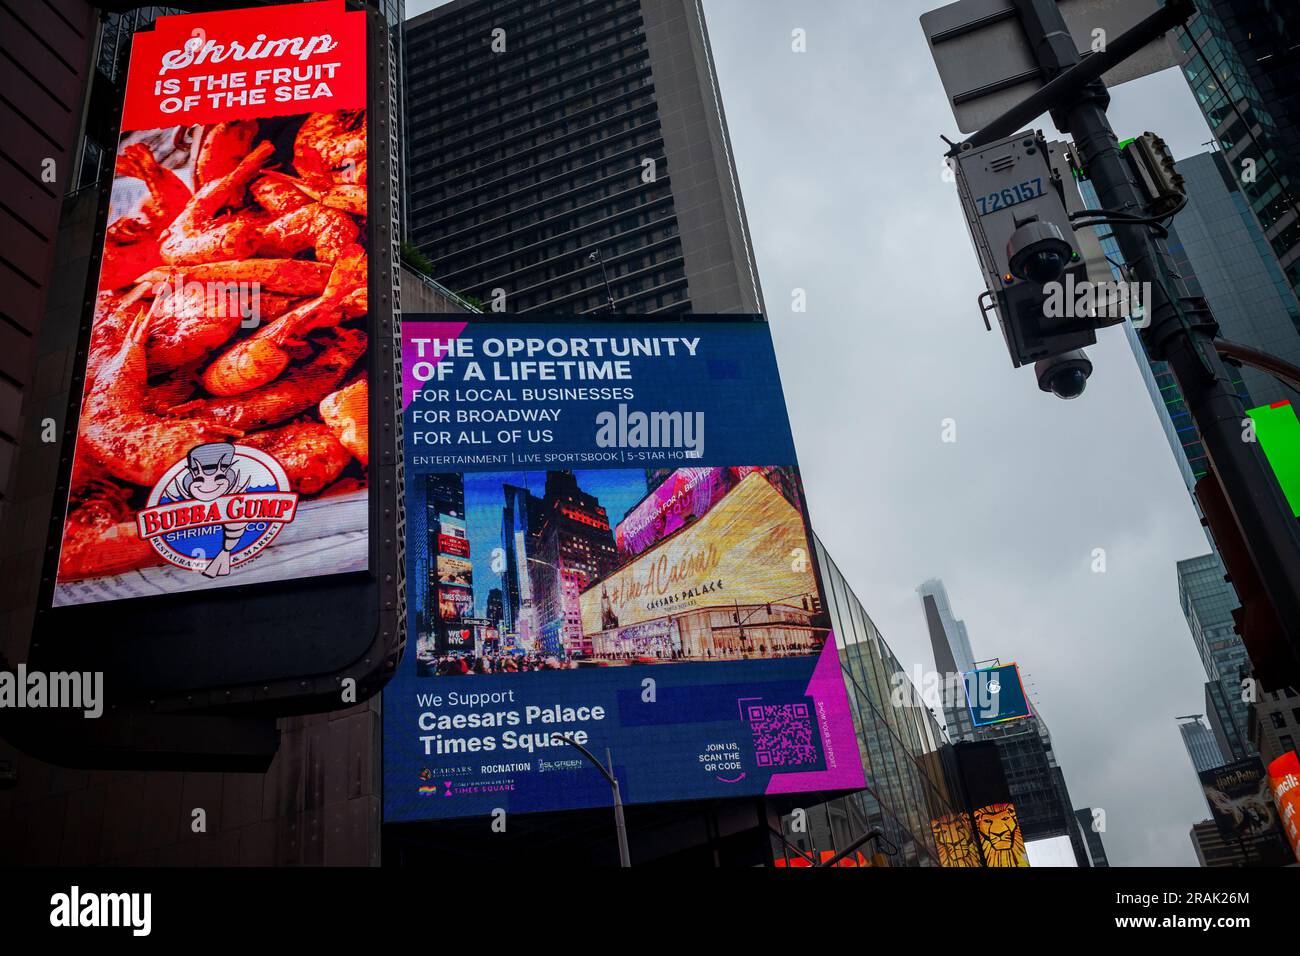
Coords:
pixel 1038 252
pixel 1065 375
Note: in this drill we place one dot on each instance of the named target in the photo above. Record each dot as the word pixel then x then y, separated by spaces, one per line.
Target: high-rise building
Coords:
pixel 1029 762
pixel 575 546
pixel 1242 65
pixel 518 531
pixel 68 61
pixel 1202 748
pixel 1274 725
pixel 1208 601
pixel 912 781
pixel 1213 848
pixel 450 598
pixel 1223 249
pixel 569 154
pixel 953 657
pixel 1090 826
pixel 1222 253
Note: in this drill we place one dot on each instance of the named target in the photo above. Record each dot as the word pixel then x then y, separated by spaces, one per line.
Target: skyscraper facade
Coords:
pixel 1222 253
pixel 575 546
pixel 1090 826
pixel 953 657
pixel 1242 64
pixel 1202 748
pixel 1029 763
pixel 912 781
pixel 518 531
pixel 570 156
pixel 1207 601
pixel 1274 726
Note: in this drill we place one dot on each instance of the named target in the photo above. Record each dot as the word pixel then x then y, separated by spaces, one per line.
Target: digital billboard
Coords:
pixel 988 801
pixel 1277 429
pixel 1002 842
pixel 1284 781
pixel 955 840
pixel 1241 800
pixel 638 569
pixel 996 694
pixel 223 530
pixel 223 426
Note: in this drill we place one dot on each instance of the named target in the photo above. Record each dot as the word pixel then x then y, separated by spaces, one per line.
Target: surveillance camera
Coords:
pixel 1038 252
pixel 1064 375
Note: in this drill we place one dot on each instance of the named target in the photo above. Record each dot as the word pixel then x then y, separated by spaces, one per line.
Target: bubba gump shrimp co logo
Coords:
pixel 218 508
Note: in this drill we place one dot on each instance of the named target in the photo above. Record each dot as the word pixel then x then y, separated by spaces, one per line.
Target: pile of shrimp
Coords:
pixel 169 371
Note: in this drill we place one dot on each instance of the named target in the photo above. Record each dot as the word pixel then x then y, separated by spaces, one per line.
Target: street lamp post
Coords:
pixel 620 826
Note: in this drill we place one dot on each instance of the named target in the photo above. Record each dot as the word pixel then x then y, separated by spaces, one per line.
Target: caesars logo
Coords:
pixel 218 508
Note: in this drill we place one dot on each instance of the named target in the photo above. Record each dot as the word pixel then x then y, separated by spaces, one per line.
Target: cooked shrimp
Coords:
pixel 279 194
pixel 131 245
pixel 296 392
pixel 100 537
pixel 113 316
pixel 173 389
pixel 295 277
pixel 134 444
pixel 200 234
pixel 221 147
pixel 348 197
pixel 168 196
pixel 347 413
pixel 186 327
pixel 262 356
pixel 315 226
pixel 307 451
pixel 334 143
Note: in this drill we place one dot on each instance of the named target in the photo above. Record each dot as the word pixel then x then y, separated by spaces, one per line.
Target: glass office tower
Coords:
pixel 1220 249
pixel 1208 601
pixel 911 776
pixel 1242 64
pixel 1202 748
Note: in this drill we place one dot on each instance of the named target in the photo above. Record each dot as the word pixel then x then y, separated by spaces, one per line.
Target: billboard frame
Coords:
pixel 286 686
pixel 821 619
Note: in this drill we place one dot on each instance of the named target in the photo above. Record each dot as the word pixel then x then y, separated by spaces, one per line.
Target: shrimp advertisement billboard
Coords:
pixel 622 558
pixel 223 429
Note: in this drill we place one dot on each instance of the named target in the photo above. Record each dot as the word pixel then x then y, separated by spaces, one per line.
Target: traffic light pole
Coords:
pixel 1182 328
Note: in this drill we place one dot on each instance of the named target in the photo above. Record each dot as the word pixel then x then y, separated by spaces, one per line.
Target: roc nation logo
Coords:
pixel 218 508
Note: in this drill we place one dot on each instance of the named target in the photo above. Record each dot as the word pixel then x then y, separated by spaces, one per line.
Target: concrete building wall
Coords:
pixel 720 268
pixel 44 61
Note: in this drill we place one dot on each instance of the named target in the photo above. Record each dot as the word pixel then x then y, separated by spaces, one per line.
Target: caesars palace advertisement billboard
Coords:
pixel 222 436
pixel 607 540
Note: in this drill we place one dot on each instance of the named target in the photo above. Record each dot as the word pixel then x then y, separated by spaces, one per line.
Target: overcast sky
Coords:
pixel 839 158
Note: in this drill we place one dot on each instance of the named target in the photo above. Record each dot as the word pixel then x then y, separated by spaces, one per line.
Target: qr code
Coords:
pixel 783 734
